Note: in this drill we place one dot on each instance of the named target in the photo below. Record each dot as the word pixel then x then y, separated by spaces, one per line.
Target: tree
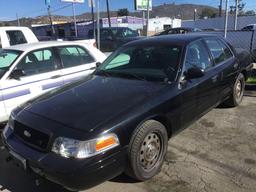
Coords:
pixel 207 12
pixel 241 6
pixel 123 12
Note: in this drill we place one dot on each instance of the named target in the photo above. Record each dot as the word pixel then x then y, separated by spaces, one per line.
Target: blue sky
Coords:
pixel 32 8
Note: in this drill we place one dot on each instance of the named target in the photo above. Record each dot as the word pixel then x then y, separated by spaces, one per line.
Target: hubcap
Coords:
pixel 239 89
pixel 150 151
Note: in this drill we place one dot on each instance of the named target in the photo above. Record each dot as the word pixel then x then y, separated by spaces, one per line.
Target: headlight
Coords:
pixel 9 127
pixel 10 123
pixel 83 149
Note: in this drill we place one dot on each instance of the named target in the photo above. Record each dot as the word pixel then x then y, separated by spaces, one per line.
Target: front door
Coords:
pixel 198 94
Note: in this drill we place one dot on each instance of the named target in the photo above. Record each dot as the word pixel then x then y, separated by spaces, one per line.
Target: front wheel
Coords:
pixel 238 92
pixel 147 150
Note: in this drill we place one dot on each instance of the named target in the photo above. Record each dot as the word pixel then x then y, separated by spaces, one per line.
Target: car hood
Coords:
pixel 88 104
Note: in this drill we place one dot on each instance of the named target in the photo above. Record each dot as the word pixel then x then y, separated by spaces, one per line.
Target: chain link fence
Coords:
pixel 244 37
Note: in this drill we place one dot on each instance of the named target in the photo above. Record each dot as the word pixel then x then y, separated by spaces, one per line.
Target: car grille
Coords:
pixel 32 137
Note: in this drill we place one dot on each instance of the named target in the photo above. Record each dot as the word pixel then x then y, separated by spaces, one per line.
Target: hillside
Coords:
pixel 183 11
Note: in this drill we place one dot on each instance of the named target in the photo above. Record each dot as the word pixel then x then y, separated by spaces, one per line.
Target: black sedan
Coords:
pixel 112 38
pixel 120 119
pixel 178 30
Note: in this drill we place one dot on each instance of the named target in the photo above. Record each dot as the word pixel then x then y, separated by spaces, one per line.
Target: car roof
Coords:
pixel 12 28
pixel 41 45
pixel 177 39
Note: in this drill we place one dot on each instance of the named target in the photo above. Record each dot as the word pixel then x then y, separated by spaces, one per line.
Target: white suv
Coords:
pixel 29 70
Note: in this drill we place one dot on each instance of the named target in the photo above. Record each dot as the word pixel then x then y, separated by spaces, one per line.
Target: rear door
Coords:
pixel 76 61
pixel 41 73
pixel 226 65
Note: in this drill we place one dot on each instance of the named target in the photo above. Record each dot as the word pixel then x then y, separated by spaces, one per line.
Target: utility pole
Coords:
pixel 18 19
pixel 220 8
pixel 92 12
pixel 109 21
pixel 74 18
pixel 147 18
pixel 98 23
pixel 236 14
pixel 226 20
pixel 50 18
pixel 195 12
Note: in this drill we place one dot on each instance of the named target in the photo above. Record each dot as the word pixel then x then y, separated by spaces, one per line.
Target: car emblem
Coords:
pixel 27 134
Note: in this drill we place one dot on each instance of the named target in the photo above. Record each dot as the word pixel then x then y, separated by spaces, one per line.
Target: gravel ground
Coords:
pixel 217 153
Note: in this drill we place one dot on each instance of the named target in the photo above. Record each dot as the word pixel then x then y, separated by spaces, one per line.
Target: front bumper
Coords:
pixel 70 173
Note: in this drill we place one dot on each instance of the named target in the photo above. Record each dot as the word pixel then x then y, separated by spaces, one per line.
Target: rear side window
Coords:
pixel 226 49
pixel 219 50
pixel 16 37
pixel 72 56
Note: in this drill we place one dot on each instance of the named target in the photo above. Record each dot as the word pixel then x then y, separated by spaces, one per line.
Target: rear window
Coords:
pixel 16 37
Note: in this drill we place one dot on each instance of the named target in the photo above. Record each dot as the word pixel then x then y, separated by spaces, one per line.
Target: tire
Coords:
pixel 238 92
pixel 147 150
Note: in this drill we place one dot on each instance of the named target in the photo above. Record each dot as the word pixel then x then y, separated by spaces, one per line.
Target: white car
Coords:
pixel 29 70
pixel 16 35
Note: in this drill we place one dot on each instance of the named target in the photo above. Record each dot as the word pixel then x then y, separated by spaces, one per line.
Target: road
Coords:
pixel 217 153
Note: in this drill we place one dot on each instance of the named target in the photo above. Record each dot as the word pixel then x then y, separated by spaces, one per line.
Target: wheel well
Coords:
pixel 165 122
pixel 244 72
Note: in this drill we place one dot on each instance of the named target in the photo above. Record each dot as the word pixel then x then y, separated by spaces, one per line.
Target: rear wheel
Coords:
pixel 238 92
pixel 147 150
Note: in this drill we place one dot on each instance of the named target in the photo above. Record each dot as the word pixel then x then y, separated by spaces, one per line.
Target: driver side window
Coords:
pixel 197 56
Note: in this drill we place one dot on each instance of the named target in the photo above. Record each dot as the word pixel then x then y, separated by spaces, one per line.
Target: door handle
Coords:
pixel 215 78
pixel 56 77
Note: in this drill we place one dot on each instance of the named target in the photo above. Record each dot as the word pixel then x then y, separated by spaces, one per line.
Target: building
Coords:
pixel 134 23
pixel 159 24
pixel 62 30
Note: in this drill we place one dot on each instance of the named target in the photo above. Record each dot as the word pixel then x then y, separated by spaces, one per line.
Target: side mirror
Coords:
pixel 16 74
pixel 194 73
pixel 98 64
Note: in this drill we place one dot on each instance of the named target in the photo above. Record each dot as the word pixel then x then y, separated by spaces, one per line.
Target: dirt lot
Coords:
pixel 217 153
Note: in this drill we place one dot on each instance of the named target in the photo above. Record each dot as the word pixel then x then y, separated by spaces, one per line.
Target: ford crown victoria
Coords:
pixel 120 118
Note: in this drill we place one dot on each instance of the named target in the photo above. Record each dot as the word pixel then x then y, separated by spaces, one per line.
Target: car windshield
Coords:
pixel 151 63
pixel 7 58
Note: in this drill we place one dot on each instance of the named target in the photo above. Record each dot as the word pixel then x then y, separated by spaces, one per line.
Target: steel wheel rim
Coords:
pixel 239 89
pixel 150 151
